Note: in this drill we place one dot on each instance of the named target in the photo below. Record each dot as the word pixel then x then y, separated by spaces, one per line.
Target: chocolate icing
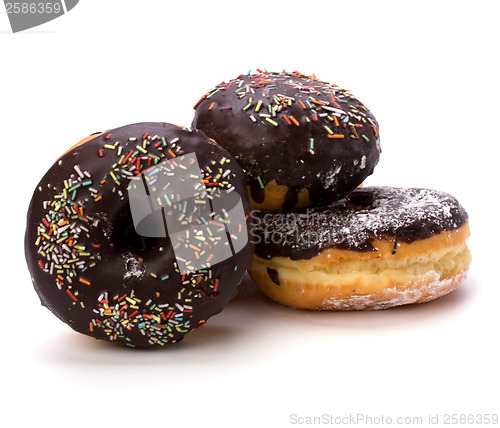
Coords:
pixel 91 268
pixel 292 144
pixel 408 214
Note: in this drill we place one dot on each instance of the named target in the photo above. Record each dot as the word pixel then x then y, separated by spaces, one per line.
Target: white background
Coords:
pixel 429 73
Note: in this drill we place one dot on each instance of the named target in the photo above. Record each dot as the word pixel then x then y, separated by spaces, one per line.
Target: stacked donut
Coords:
pixel 322 243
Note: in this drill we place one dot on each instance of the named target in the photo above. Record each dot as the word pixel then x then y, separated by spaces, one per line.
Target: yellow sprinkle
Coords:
pixel 272 121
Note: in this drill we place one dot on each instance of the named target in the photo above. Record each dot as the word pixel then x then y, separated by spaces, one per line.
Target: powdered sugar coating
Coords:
pixel 430 287
pixel 408 214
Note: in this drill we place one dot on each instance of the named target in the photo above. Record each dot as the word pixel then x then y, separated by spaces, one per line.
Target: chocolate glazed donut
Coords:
pixel 92 268
pixel 379 247
pixel 301 141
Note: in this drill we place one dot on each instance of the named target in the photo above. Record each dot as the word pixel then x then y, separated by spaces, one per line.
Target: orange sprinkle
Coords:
pixel 294 120
pixel 98 199
pixel 211 106
pixel 336 121
pixel 84 281
pixel 318 102
pixel 172 153
pixel 62 223
pixel 375 129
pixel 302 104
pixel 194 247
pixel 335 136
pixel 91 326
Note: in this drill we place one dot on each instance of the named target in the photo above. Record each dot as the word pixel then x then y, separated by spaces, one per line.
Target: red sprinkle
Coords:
pixel 126 157
pixel 71 295
pixel 199 101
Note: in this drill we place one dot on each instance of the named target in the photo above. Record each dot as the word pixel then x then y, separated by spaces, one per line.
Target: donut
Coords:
pixel 377 248
pixel 139 234
pixel 301 141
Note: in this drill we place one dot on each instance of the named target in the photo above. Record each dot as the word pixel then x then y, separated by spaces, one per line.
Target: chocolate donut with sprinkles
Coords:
pixel 139 234
pixel 301 141
pixel 379 247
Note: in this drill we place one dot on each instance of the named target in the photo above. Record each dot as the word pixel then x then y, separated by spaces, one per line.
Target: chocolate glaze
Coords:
pixel 122 279
pixel 328 167
pixel 408 214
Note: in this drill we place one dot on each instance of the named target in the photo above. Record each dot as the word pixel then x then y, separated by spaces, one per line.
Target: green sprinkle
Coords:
pixel 261 184
pixel 247 106
pixel 311 143
pixel 213 93
pixel 365 137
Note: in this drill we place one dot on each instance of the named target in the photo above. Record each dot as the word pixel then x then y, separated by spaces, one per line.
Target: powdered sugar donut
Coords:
pixel 380 247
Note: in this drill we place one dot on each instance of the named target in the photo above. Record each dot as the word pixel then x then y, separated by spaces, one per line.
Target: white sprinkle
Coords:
pixel 335 110
pixel 78 171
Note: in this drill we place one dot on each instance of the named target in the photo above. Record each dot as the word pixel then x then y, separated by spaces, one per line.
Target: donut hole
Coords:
pixel 125 236
pixel 361 201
